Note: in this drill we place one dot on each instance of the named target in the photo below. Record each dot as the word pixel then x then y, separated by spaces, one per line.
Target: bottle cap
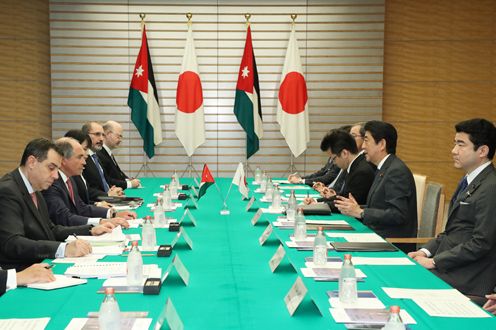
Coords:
pixel 321 228
pixel 148 217
pixel 395 309
pixel 347 257
pixel 109 290
pixel 300 210
pixel 135 243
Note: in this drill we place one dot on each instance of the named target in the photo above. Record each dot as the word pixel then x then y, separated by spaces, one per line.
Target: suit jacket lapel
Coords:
pixel 29 202
pixel 378 177
pixel 472 187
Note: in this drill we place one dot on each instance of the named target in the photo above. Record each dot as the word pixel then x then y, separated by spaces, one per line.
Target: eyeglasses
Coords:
pixel 98 134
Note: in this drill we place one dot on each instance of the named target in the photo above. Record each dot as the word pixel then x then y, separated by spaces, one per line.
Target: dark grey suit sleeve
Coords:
pixel 483 234
pixel 13 241
pixel 398 192
pixel 59 213
pixel 3 281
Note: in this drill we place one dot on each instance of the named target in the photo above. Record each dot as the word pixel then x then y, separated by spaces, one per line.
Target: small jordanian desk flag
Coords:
pixel 143 100
pixel 206 181
pixel 247 105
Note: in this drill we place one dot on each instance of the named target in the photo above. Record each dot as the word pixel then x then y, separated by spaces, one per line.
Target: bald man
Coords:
pixel 112 140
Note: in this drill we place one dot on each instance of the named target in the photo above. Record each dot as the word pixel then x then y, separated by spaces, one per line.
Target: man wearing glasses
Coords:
pixel 93 173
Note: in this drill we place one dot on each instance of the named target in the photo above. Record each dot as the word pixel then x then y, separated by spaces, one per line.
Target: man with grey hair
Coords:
pixel 112 140
pixel 93 173
pixel 65 206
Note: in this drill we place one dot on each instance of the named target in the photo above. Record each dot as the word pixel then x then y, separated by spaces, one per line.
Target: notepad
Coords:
pixel 106 270
pixel 115 236
pixel 61 281
pixel 79 260
pixel 358 237
pixel 31 324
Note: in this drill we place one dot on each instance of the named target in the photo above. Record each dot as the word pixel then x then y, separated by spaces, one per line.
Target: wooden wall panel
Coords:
pixel 24 77
pixel 439 69
pixel 94 46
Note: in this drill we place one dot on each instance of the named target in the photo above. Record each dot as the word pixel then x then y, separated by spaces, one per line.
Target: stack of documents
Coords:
pixel 306 244
pixel 126 323
pixel 358 237
pixel 115 236
pixel 31 324
pixel 443 303
pixel 61 281
pixel 337 262
pixel 328 274
pixel 367 316
pixel 366 300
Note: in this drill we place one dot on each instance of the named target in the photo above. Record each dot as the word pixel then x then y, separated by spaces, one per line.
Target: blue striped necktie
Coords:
pixel 100 171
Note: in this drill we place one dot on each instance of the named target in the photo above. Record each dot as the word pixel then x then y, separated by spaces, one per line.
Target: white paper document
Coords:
pixel 382 261
pixel 292 187
pixel 367 316
pixel 441 303
pixel 107 270
pixel 273 211
pixel 280 181
pixel 328 272
pixel 115 236
pixel 135 223
pixel 61 281
pixel 126 323
pixel 78 260
pixel 109 250
pixel 363 303
pixel 368 237
pixel 31 324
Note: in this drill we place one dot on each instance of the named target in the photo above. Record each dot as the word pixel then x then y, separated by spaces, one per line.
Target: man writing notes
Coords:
pixel 37 273
pixel 65 207
pixel 358 174
pixel 464 255
pixel 112 140
pixel 27 235
pixel 391 208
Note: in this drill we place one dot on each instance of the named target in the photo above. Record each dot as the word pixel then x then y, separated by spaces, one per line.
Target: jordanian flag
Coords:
pixel 143 100
pixel 206 181
pixel 247 106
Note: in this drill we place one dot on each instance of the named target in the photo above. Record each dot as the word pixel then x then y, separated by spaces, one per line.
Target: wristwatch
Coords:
pixel 362 214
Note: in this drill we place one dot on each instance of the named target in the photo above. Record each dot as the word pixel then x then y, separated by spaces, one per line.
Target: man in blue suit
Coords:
pixel 64 203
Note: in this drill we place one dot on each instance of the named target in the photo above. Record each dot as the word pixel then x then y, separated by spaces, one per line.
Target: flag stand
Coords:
pixel 145 168
pixel 190 168
pixel 292 168
pixel 225 208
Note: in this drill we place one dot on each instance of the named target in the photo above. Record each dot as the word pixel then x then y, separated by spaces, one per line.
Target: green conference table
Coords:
pixel 231 285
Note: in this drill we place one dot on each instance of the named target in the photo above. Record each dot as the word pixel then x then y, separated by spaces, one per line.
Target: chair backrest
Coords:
pixel 420 189
pixel 430 216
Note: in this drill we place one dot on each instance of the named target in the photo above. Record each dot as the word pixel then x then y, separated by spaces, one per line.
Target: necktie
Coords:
pixel 459 190
pixel 71 190
pixel 100 171
pixel 34 198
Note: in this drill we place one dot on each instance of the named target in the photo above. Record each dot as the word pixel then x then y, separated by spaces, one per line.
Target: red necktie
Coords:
pixel 71 191
pixel 34 198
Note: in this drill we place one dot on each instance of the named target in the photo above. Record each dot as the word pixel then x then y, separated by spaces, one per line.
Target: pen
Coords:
pixel 50 266
pixel 75 236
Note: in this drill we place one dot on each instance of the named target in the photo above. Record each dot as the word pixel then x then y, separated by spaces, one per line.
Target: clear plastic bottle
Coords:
pixel 258 175
pixel 109 317
pixel 135 266
pixel 173 187
pixel 276 198
pixel 320 249
pixel 394 321
pixel 159 215
pixel 166 198
pixel 176 176
pixel 263 184
pixel 300 228
pixel 269 190
pixel 292 205
pixel 149 236
pixel 347 282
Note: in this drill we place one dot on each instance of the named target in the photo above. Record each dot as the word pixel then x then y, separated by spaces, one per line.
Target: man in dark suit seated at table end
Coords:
pixel 464 255
pixel 391 209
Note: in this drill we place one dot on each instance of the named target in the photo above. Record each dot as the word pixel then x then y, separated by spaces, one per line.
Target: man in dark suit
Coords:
pixel 113 138
pixel 37 273
pixel 27 235
pixel 391 209
pixel 359 175
pixel 93 173
pixel 326 175
pixel 65 207
pixel 464 255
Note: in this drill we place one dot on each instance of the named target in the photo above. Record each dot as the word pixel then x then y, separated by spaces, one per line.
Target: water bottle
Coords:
pixel 347 282
pixel 263 184
pixel 158 214
pixel 109 317
pixel 173 187
pixel 149 237
pixel 300 228
pixel 135 266
pixel 176 176
pixel 269 190
pixel 320 249
pixel 276 198
pixel 166 198
pixel 394 321
pixel 258 175
pixel 292 205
